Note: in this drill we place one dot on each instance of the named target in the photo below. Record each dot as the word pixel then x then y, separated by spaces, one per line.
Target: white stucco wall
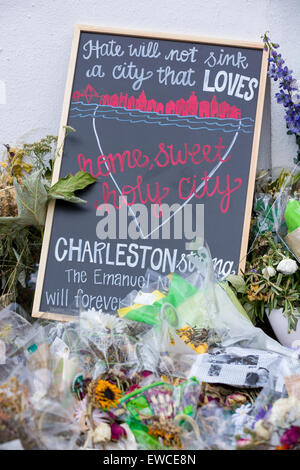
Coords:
pixel 35 42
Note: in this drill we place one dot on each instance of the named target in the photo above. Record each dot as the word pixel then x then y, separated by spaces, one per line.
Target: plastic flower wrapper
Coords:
pixel 288 208
pixel 14 333
pixel 240 331
pixel 16 409
pixel 163 351
pixel 54 425
pixel 266 213
pixel 187 302
pixel 24 343
pixel 276 411
pixel 266 191
pixel 115 342
pixel 48 368
pixel 119 356
pixel 216 428
pixel 121 391
pixel 272 425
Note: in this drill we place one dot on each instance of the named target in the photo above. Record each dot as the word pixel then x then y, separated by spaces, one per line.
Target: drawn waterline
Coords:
pixel 226 125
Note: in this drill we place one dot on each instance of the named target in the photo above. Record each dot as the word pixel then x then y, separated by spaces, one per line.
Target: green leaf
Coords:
pixel 31 200
pixel 231 294
pixel 65 187
pixel 22 278
pixel 237 282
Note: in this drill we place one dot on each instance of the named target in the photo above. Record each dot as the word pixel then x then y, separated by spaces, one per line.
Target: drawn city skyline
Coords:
pixel 181 107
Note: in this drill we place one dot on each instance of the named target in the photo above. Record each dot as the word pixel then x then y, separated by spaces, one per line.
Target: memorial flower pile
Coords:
pixel 102 382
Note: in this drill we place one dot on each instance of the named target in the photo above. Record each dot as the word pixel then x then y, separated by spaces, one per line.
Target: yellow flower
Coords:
pixel 104 394
pixel 27 167
pixel 14 164
pixel 167 431
pixel 201 349
pixel 253 295
pixel 186 333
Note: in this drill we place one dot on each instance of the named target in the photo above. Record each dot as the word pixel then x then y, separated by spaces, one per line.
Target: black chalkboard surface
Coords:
pixel 170 127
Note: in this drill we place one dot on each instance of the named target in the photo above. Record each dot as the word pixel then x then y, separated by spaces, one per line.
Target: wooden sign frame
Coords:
pixel 66 104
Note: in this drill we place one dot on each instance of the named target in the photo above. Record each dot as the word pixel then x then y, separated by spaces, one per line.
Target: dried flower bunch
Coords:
pixel 167 431
pixel 15 164
pixel 25 189
pixel 11 397
pixel 13 402
pixel 196 338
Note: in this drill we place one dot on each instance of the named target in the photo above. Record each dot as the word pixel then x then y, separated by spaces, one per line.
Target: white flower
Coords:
pixel 284 410
pixel 92 320
pixel 80 415
pixel 268 272
pixel 80 409
pixel 99 416
pixel 241 417
pixel 261 430
pixel 102 433
pixel 287 266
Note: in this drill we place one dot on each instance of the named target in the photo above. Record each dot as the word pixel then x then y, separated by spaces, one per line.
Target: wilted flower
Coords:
pixel 102 433
pixel 268 272
pixel 80 414
pixel 117 432
pixel 166 431
pixel 104 394
pixel 291 436
pixel 261 430
pixel 243 442
pixel 282 408
pixel 287 266
pixel 146 373
pixel 235 399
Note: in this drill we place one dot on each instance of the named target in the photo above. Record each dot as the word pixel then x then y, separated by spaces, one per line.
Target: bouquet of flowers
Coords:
pixel 271 280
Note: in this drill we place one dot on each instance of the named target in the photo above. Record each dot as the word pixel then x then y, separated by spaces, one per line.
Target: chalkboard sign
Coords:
pixel 170 128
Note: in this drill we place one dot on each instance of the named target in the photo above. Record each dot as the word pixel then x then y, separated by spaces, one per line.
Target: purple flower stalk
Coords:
pixel 289 93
